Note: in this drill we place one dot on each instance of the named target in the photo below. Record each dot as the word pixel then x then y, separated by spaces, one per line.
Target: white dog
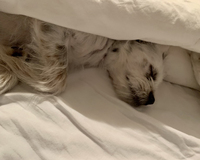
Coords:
pixel 42 54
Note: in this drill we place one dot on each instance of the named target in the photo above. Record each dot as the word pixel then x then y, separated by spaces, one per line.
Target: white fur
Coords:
pixel 51 51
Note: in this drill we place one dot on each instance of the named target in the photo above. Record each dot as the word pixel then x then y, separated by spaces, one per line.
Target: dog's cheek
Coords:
pixel 120 86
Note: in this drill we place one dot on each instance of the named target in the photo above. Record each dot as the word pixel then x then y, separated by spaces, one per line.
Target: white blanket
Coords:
pixel 88 121
pixel 173 22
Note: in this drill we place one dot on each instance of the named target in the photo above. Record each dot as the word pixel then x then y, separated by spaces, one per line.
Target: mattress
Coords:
pixel 88 121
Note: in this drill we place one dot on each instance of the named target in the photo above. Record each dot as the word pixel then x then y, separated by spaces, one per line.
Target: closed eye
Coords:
pixel 115 50
pixel 152 73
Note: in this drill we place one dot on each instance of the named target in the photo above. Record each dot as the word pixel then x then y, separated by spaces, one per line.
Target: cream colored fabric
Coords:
pixel 89 122
pixel 178 68
pixel 173 22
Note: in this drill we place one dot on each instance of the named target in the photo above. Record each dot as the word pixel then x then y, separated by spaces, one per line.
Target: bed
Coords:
pixel 88 121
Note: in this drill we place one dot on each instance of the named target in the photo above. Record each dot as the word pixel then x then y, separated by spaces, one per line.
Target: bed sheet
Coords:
pixel 89 122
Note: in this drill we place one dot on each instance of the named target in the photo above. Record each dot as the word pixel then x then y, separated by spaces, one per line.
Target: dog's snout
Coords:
pixel 151 99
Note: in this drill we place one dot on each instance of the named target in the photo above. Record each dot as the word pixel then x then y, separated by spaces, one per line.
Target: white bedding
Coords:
pixel 87 121
pixel 167 21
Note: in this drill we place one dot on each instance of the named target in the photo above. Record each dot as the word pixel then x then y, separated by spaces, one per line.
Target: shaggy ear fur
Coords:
pixel 7 78
pixel 48 58
pixel 41 64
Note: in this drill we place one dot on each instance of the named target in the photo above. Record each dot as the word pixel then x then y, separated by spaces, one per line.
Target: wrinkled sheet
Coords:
pixel 89 122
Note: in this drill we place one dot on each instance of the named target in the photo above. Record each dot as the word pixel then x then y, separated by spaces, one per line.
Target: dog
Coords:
pixel 42 55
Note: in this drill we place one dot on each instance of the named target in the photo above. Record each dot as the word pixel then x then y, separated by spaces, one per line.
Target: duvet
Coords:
pixel 88 121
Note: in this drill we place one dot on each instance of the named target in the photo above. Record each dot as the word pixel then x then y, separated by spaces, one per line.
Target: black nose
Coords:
pixel 151 99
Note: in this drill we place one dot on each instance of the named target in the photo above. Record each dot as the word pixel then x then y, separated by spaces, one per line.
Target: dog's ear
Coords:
pixel 7 79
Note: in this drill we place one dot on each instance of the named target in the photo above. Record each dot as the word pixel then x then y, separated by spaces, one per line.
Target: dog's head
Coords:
pixel 136 69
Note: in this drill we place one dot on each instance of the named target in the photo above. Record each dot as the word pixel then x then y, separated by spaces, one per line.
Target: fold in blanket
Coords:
pixel 167 21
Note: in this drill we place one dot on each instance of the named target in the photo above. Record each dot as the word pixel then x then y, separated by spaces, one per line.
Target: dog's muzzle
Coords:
pixel 150 99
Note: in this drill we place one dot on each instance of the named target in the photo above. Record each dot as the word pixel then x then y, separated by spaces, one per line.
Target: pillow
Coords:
pixel 178 68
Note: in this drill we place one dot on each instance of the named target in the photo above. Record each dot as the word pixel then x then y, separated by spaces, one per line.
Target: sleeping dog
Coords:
pixel 41 55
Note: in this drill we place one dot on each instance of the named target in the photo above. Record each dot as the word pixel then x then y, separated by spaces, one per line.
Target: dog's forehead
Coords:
pixel 139 56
